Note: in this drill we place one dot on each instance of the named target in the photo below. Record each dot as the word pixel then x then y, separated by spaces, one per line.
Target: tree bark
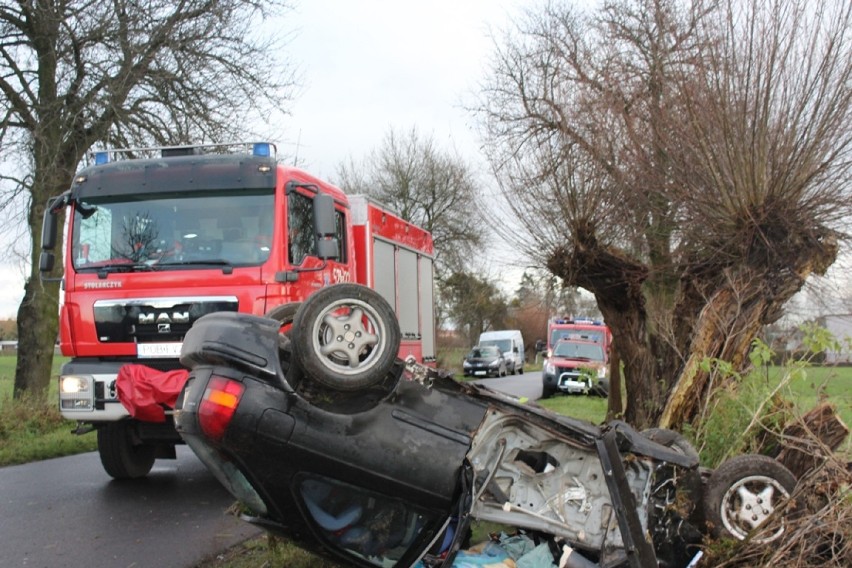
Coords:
pixel 38 317
pixel 808 442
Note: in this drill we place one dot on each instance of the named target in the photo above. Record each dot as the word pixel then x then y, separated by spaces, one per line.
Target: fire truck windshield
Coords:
pixel 578 350
pixel 220 228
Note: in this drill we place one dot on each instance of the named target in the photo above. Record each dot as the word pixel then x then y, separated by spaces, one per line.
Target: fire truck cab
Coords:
pixel 158 237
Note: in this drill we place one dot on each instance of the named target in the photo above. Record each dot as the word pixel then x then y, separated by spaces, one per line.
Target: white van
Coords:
pixel 511 343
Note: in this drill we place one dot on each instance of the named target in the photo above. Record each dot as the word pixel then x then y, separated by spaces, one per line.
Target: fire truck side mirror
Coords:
pixel 49 227
pixel 325 227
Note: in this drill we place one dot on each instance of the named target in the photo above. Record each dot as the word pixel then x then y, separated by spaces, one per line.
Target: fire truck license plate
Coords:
pixel 158 350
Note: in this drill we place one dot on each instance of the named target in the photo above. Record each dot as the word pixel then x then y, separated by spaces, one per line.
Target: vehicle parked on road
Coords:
pixel 511 343
pixel 158 237
pixel 485 361
pixel 575 366
pixel 375 461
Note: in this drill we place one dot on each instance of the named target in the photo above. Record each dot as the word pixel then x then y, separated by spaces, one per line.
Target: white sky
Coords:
pixel 366 67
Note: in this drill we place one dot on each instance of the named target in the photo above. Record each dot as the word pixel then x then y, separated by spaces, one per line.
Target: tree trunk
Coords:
pixel 614 406
pixel 38 315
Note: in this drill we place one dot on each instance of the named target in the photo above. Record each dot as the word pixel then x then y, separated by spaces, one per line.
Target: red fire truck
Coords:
pixel 577 357
pixel 585 329
pixel 158 237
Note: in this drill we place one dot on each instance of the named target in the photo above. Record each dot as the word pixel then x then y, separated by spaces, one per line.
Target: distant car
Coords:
pixel 373 461
pixel 577 366
pixel 485 361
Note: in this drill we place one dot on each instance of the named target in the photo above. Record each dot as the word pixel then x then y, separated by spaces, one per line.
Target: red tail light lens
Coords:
pixel 218 406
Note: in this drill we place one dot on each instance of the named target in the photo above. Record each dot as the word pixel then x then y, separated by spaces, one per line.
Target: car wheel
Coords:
pixel 673 440
pixel 547 391
pixel 121 458
pixel 284 315
pixel 743 492
pixel 346 337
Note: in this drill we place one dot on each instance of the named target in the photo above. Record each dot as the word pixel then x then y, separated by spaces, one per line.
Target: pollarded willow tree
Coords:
pixel 686 162
pixel 119 74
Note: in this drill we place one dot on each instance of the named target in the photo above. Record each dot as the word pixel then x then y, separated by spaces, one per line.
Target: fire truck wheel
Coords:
pixel 743 492
pixel 121 458
pixel 346 337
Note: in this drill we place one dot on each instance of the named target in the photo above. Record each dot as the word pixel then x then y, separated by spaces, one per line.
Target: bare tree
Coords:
pixel 475 304
pixel 686 162
pixel 75 74
pixel 428 186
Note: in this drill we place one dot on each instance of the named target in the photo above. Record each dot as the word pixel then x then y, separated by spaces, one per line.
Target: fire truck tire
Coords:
pixel 346 337
pixel 120 457
pixel 743 492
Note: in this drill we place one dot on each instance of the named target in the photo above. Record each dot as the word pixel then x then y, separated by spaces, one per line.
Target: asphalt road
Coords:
pixel 527 385
pixel 69 512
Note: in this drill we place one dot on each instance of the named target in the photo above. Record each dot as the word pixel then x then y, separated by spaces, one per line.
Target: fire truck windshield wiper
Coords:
pixel 103 270
pixel 206 262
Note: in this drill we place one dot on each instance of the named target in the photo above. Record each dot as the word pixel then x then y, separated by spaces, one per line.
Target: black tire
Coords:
pixel 547 391
pixel 742 492
pixel 121 458
pixel 346 337
pixel 673 440
pixel 285 313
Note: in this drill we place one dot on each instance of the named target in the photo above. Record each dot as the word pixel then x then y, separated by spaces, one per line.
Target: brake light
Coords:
pixel 218 405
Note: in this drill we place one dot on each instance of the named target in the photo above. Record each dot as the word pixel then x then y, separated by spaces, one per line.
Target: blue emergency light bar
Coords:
pixel 563 321
pixel 259 149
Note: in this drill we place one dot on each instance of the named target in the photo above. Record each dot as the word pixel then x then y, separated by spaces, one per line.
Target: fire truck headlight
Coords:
pixel 74 385
pixel 76 393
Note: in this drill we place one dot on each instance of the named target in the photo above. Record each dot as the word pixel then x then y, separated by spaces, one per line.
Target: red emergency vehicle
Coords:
pixel 586 329
pixel 158 237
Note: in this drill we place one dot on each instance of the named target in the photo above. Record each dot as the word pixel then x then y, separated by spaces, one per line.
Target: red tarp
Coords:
pixel 144 391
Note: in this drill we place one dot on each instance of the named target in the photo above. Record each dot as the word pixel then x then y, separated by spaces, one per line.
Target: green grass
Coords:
pixel 31 429
pixel 748 419
pixel 589 408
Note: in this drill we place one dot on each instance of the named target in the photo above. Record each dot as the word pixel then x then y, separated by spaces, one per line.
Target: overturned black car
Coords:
pixel 325 436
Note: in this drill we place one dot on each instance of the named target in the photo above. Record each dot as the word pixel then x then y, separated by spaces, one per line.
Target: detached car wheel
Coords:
pixel 121 458
pixel 743 492
pixel 346 337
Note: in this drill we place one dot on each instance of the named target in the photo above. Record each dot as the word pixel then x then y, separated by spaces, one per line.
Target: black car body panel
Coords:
pixel 394 473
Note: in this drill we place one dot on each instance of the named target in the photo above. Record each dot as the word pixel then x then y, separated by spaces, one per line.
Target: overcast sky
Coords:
pixel 368 66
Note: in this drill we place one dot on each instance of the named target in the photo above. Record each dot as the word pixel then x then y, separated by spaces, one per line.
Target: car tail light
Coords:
pixel 218 405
